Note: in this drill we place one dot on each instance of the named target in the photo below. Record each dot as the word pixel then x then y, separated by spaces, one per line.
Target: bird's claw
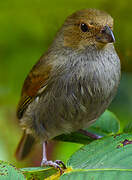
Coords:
pixel 59 162
pixel 55 164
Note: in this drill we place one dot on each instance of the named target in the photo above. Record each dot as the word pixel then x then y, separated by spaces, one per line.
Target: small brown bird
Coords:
pixel 73 82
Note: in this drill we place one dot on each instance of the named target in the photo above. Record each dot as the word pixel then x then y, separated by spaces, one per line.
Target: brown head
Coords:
pixel 88 27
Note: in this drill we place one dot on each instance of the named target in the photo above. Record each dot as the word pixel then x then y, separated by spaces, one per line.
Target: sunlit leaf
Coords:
pixel 107 158
pixel 104 174
pixel 9 172
pixel 38 172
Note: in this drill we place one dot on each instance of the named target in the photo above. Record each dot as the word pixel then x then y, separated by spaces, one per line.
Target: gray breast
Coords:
pixel 88 85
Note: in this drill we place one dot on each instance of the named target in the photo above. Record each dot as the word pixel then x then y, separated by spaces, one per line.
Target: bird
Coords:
pixel 72 84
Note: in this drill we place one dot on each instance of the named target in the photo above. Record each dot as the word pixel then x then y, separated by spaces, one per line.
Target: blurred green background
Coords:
pixel 26 30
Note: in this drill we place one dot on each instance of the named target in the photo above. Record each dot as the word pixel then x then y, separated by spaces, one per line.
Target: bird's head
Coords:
pixel 88 27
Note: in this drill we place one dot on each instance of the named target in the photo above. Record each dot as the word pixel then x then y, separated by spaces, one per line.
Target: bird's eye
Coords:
pixel 84 27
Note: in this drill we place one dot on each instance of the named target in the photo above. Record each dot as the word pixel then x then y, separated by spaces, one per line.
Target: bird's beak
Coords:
pixel 105 35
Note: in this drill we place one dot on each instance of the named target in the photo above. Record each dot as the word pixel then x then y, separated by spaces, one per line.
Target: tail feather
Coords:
pixel 24 147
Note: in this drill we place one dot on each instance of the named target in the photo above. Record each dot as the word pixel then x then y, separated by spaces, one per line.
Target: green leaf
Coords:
pixel 128 128
pixel 109 152
pixel 75 137
pixel 9 172
pixel 105 125
pixel 98 175
pixel 106 158
pixel 38 173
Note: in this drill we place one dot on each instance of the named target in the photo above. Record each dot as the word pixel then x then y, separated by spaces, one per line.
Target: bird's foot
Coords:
pixel 89 134
pixel 56 164
pixel 59 162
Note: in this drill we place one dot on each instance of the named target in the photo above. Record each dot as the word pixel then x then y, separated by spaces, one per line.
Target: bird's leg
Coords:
pixel 55 164
pixel 44 154
pixel 89 134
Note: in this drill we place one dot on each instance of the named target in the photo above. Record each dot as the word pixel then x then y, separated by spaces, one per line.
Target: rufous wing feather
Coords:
pixel 36 79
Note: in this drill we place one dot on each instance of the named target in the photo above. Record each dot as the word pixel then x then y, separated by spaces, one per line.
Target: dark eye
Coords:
pixel 84 27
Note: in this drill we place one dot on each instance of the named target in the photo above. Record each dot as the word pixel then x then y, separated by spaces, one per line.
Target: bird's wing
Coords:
pixel 34 83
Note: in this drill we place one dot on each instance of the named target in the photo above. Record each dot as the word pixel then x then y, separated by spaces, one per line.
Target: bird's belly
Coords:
pixel 68 110
pixel 84 105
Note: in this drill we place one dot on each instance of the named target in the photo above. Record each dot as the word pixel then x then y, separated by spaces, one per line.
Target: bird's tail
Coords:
pixel 25 145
